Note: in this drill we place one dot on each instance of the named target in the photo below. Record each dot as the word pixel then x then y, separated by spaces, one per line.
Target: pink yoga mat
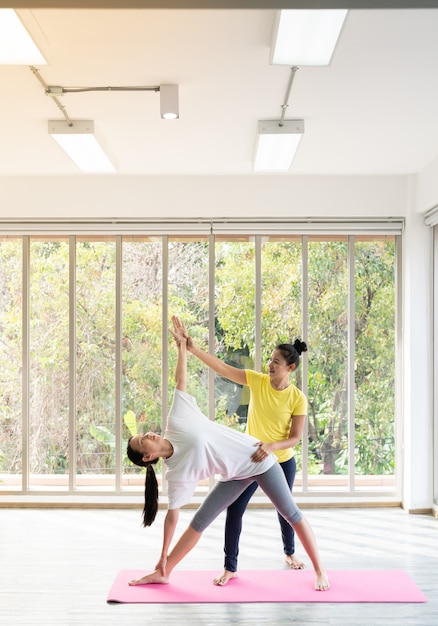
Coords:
pixel 269 586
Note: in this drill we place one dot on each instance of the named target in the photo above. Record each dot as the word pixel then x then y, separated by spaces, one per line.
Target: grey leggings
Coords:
pixel 224 493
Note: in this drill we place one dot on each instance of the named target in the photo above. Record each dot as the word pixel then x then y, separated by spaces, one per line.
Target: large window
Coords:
pixel 86 359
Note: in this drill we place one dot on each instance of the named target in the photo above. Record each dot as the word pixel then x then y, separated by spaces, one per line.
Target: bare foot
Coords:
pixel 154 578
pixel 221 581
pixel 322 582
pixel 293 562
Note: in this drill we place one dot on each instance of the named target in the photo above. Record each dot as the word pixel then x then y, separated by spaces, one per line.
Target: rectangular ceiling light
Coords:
pixel 277 144
pixel 306 36
pixel 16 45
pixel 79 140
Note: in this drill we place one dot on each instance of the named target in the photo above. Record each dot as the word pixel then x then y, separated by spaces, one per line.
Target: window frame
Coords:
pixel 117 229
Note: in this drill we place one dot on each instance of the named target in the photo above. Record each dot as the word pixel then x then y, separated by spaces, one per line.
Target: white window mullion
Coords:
pixel 258 303
pixel 350 364
pixel 72 456
pixel 118 372
pixel 164 323
pixel 399 364
pixel 304 364
pixel 26 367
pixel 211 322
pixel 211 331
pixel 164 341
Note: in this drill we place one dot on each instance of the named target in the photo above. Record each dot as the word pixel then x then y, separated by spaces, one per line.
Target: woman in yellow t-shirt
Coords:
pixel 276 415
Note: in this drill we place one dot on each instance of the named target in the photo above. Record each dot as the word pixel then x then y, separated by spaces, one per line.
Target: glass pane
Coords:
pixel 188 298
pixel 141 344
pixel 327 363
pixel 234 325
pixel 375 363
pixel 281 304
pixel 11 297
pixel 95 365
pixel 49 363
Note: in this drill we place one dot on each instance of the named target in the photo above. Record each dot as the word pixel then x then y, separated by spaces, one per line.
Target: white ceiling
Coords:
pixel 372 112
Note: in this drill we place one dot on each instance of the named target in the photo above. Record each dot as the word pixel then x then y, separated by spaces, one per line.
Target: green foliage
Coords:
pixel 235 296
pixel 108 439
pixel 102 434
pixel 131 423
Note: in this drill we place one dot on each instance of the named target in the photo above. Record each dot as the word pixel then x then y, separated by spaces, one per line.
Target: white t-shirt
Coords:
pixel 202 448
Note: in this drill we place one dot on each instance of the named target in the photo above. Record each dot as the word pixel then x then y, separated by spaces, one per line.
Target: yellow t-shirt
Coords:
pixel 270 412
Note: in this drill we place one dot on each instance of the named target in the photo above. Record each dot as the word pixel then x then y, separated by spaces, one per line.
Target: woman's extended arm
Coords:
pixel 170 523
pixel 235 374
pixel 181 367
pixel 181 364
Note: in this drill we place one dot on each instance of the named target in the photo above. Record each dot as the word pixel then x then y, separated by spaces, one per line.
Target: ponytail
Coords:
pixel 150 496
pixel 150 507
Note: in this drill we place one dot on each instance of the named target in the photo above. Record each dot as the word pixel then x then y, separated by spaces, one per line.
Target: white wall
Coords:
pixel 426 192
pixel 420 456
pixel 418 365
pixel 208 196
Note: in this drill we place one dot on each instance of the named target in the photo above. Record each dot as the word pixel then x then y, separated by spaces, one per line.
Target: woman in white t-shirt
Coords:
pixel 193 448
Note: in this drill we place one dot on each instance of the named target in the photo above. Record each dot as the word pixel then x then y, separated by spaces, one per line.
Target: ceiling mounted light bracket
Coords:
pixel 285 104
pixel 276 144
pixel 79 138
pixel 81 141
pixel 277 140
pixel 169 104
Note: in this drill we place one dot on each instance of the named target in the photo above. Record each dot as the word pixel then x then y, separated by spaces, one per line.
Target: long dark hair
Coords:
pixel 292 352
pixel 150 507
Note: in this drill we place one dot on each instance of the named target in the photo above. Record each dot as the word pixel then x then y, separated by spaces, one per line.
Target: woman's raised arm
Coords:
pixel 181 364
pixel 235 374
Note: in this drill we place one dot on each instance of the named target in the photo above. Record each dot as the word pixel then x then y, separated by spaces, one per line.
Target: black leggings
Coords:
pixel 233 523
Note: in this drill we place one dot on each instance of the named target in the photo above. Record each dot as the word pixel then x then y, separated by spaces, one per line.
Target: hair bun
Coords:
pixel 300 346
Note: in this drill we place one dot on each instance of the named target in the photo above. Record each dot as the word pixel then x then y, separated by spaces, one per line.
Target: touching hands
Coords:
pixel 179 331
